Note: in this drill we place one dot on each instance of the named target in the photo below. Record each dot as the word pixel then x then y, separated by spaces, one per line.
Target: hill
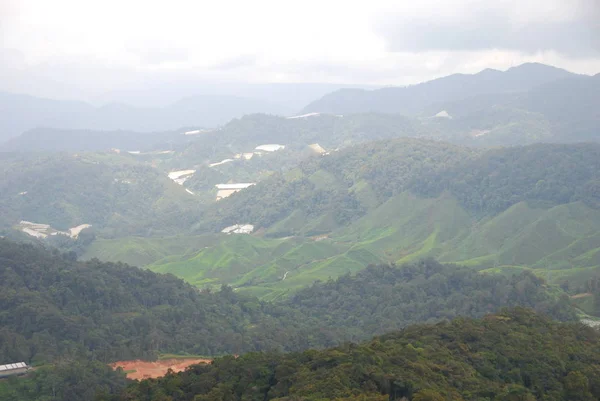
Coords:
pixel 507 356
pixel 65 317
pixel 330 131
pixel 411 100
pixel 55 307
pixel 565 110
pixel 113 312
pixel 113 193
pixel 349 183
pixel 525 207
pixel 329 192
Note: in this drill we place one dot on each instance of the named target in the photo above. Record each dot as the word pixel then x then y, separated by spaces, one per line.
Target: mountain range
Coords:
pixel 526 104
pixel 464 212
pixel 412 100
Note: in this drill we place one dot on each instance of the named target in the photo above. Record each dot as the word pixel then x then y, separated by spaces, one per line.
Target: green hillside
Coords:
pixel 65 316
pixel 540 239
pixel 141 251
pixel 515 355
pixel 533 207
pixel 115 194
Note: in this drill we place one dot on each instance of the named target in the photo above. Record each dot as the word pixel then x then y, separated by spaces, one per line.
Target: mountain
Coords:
pixel 291 96
pixel 514 355
pixel 55 307
pixel 23 113
pixel 66 317
pixel 565 110
pixel 397 201
pixel 411 100
pixel 363 177
pixel 114 193
pixel 113 311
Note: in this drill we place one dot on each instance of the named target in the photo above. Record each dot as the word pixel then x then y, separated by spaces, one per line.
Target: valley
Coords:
pixel 399 243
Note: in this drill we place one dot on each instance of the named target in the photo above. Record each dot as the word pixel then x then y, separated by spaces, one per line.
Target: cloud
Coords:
pixel 63 48
pixel 571 30
pixel 160 55
pixel 234 63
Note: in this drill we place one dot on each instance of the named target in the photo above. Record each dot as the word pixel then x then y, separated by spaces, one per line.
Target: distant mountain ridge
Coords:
pixel 76 140
pixel 23 112
pixel 410 100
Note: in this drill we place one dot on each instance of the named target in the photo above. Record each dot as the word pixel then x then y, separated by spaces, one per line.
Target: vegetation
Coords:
pixel 486 183
pixel 533 207
pixel 541 174
pixel 332 191
pixel 113 193
pixel 54 307
pixel 65 380
pixel 514 355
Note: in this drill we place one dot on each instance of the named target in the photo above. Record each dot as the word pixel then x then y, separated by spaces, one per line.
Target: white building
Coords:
pixel 11 369
pixel 239 229
pixel 271 147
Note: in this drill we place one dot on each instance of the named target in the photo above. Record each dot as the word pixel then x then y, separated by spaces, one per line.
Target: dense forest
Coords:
pixel 513 355
pixel 349 183
pixel 380 299
pixel 67 379
pixel 115 194
pixel 541 174
pixel 332 185
pixel 54 307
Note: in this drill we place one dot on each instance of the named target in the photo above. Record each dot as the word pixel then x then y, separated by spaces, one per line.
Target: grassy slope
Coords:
pixel 141 251
pixel 555 243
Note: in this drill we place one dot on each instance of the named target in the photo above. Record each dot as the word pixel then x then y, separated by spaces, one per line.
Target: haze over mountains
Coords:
pixel 321 201
pixel 525 104
pixel 257 229
pixel 209 106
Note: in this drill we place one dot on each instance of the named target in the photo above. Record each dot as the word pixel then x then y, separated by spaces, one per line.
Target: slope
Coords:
pixel 513 355
pixel 113 193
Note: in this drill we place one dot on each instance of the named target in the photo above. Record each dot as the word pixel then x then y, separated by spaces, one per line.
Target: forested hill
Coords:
pixel 56 308
pixel 380 299
pixel 331 192
pixel 341 186
pixel 514 355
pixel 544 174
pixel 111 192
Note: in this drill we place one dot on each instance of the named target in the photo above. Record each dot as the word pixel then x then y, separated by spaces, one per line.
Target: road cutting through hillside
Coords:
pixel 138 369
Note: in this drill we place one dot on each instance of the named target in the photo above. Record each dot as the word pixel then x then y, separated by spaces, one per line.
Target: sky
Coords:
pixel 87 48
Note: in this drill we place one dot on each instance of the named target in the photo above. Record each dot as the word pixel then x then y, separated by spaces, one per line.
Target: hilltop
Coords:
pixel 113 193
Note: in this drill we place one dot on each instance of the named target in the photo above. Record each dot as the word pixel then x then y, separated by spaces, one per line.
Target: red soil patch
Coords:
pixel 146 370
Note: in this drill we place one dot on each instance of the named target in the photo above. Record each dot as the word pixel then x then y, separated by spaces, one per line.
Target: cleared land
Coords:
pixel 138 369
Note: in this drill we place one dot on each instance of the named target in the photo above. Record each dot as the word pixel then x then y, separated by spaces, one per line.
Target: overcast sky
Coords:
pixel 83 48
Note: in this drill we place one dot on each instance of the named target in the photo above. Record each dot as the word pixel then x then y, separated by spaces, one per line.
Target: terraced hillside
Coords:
pixel 533 208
